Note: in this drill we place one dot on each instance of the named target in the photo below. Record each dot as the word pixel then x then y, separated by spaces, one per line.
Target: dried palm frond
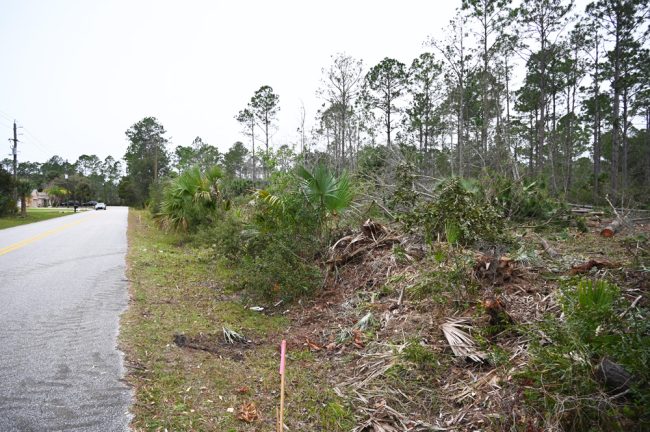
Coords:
pixel 364 322
pixel 461 342
pixel 231 336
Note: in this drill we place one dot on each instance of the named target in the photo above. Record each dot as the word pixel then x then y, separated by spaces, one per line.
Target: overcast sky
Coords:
pixel 77 74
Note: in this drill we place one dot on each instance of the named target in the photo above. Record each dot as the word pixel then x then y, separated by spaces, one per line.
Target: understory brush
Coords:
pixel 459 212
pixel 569 376
pixel 519 201
pixel 274 237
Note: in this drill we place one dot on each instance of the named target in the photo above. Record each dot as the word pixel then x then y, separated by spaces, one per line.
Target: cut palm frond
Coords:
pixel 232 337
pixel 462 344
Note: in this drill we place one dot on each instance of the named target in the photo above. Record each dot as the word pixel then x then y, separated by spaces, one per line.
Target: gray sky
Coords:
pixel 77 74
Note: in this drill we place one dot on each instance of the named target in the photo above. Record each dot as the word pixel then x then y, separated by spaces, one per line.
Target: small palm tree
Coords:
pixel 24 188
pixel 328 194
pixel 190 198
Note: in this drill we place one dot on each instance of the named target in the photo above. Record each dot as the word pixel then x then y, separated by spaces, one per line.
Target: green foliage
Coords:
pixel 235 187
pixel 581 224
pixel 272 268
pixel 272 244
pixel 404 198
pixel 191 199
pixel 327 193
pixel 337 417
pixel 458 212
pixel 7 204
pixel 371 160
pixel 446 282
pixel 415 352
pixel 156 196
pixel 234 159
pixel 563 362
pixel 520 201
pixel 593 298
pixel 146 157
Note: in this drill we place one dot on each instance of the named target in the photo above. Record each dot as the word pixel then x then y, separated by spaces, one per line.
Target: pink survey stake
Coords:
pixel 283 352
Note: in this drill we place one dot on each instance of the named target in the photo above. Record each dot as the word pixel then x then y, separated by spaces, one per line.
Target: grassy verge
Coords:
pixel 33 215
pixel 177 289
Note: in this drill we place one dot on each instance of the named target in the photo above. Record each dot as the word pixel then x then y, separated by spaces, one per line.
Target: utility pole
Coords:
pixel 15 153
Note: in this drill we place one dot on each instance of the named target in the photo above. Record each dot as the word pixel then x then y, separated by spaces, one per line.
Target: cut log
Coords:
pixel 613 227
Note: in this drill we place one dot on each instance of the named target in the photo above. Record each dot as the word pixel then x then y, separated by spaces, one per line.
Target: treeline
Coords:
pixel 534 93
pixel 539 93
pixel 88 178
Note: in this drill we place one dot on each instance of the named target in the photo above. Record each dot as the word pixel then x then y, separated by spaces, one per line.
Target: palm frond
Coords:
pixel 324 190
pixel 461 343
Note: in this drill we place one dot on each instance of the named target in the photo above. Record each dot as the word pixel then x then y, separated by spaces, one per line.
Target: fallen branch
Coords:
pixel 632 306
pixel 548 248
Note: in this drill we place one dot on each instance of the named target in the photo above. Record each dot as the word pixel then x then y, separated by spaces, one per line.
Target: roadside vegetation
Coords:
pixel 473 303
pixel 440 250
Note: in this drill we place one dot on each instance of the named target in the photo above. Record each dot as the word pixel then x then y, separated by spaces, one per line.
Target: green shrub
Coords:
pixel 459 212
pixel 420 355
pixel 156 196
pixel 273 268
pixel 563 362
pixel 191 199
pixel 235 187
pixel 521 201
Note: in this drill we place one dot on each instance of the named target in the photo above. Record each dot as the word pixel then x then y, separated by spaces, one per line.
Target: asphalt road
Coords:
pixel 62 290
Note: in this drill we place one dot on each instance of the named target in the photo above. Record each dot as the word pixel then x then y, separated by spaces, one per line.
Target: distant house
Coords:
pixel 39 199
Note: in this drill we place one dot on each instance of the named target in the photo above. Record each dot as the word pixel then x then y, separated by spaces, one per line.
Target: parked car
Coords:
pixel 90 203
pixel 100 206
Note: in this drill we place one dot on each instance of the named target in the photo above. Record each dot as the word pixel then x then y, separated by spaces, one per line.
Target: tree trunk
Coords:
pixel 23 206
pixel 484 101
pixel 553 146
pixel 647 147
pixel 253 147
pixel 624 174
pixel 596 127
pixel 616 120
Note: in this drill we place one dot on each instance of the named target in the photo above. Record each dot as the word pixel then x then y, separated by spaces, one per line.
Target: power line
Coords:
pixel 36 141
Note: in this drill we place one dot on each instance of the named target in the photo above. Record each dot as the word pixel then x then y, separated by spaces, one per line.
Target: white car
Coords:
pixel 100 206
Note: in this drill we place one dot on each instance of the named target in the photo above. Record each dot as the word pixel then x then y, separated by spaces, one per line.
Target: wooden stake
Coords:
pixel 283 352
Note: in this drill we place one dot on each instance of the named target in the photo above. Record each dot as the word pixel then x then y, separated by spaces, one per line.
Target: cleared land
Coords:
pixel 371 349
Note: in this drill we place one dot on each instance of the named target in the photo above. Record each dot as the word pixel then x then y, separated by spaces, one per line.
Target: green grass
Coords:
pixel 179 288
pixel 33 215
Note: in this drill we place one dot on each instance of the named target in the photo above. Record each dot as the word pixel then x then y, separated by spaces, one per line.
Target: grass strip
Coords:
pixel 33 215
pixel 177 289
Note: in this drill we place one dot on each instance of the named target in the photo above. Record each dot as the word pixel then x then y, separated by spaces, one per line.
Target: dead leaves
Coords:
pixel 358 338
pixel 496 270
pixel 383 418
pixel 313 346
pixel 248 412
